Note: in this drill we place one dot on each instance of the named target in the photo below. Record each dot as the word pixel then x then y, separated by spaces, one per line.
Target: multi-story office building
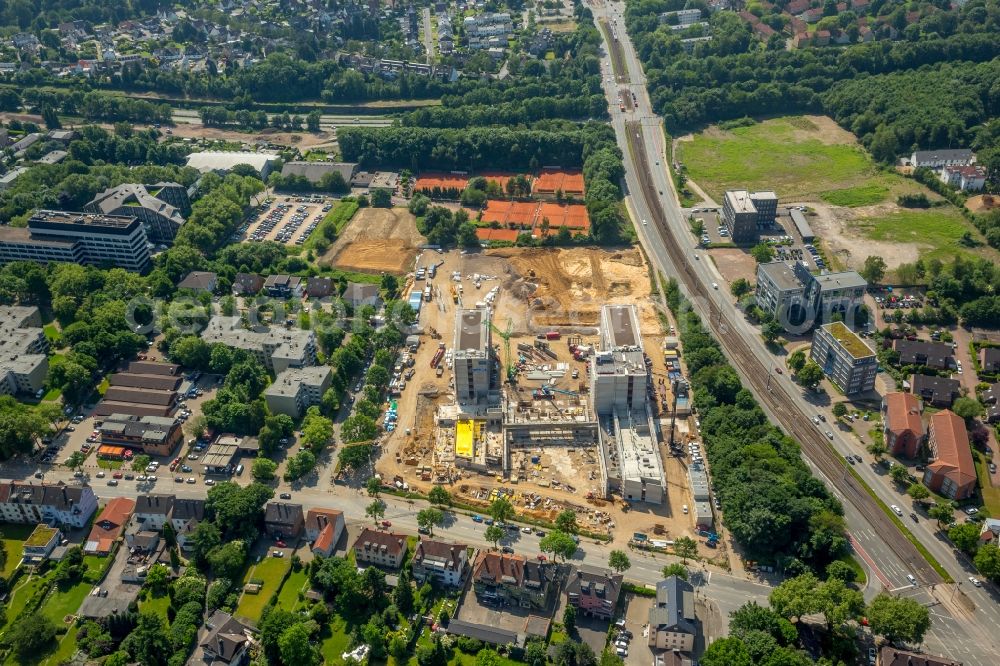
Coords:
pixel 473 356
pixel 744 213
pixel 780 292
pixel 276 348
pixel 80 238
pixel 953 471
pixel 845 358
pixel 796 297
pixel 828 293
pixel 160 207
pixel 152 435
pixel 297 389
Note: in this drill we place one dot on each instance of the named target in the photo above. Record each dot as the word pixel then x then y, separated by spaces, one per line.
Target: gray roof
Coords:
pixel 226 635
pixel 780 274
pixel 944 154
pixel 314 171
pixel 674 608
pixel 154 504
pixel 485 633
pixel 358 292
pixel 203 280
pixel 188 508
pixel 132 194
pixel 844 280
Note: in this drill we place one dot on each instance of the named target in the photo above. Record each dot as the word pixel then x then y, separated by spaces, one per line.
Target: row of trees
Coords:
pixel 92 105
pixel 771 504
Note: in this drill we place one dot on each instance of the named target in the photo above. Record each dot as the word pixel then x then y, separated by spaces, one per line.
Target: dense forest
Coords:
pixel 772 505
pixel 733 75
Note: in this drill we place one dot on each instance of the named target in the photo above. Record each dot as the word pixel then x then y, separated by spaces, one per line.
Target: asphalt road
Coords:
pixel 428 36
pixel 663 231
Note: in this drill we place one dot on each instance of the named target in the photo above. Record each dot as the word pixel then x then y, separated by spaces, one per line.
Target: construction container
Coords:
pixel 553 335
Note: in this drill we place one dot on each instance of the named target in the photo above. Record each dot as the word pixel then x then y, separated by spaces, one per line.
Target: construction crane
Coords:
pixel 547 391
pixel 505 336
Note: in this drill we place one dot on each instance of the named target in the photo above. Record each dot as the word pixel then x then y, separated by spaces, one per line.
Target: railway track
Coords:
pixel 755 373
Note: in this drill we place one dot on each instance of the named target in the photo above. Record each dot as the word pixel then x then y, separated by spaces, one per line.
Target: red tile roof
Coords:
pixel 109 524
pixel 954 455
pixel 492 567
pixel 903 414
pixel 325 538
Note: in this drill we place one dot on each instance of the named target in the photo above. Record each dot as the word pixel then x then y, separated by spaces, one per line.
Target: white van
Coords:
pixel 239 470
pixel 911 578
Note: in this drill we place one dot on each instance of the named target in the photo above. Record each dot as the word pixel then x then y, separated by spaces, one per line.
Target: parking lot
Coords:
pixel 287 220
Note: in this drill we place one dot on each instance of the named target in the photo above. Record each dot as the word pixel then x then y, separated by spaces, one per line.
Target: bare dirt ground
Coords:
pixel 567 287
pixel 982 203
pixel 377 240
pixel 849 248
pixel 734 263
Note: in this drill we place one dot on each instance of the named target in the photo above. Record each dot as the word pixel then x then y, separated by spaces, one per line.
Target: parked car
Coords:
pixel 285 496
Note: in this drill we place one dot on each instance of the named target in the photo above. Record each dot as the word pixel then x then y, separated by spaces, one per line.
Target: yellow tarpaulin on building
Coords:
pixel 464 438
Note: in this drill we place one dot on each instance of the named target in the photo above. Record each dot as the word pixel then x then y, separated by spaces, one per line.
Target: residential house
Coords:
pixel 53 504
pixel 359 295
pixel 153 511
pixel 324 527
pixel 893 656
pixel 109 526
pixel 283 519
pixel 594 591
pixel 283 286
pixel 936 159
pixel 967 178
pixel 513 580
pixel 989 359
pixel 935 355
pixel 186 514
pixel 953 472
pixel 902 426
pixel 672 621
pixel 440 561
pixel 40 543
pixel 935 391
pixel 199 281
pixel 319 287
pixel 991 529
pixel 383 549
pixel 228 640
pixel 247 284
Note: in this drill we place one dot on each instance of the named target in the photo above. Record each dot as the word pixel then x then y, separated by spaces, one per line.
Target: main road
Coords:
pixel 966 619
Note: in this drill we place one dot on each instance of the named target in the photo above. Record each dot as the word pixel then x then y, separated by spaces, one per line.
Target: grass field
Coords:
pixel 270 570
pixel 990 493
pixel 288 598
pixel 67 646
pixel 336 643
pixel 798 157
pixel 14 537
pixel 158 605
pixel 24 590
pixel 936 230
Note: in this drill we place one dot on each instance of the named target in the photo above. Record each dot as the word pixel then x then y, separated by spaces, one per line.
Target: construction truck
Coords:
pixel 454 294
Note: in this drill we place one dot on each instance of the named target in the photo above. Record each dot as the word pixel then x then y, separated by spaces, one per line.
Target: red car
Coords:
pixel 542 558
pixel 778 370
pixel 116 475
pixel 280 543
pixel 386 523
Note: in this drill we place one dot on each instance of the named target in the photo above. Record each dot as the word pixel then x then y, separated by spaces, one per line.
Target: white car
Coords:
pixel 975 581
pixel 896 510
pixel 526 530
pixel 100 475
pixel 715 285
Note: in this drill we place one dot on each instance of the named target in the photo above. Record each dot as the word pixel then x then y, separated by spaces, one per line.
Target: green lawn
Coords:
pixel 14 537
pixel 157 605
pixel 859 571
pixel 336 643
pixel 288 598
pixel 790 156
pixel 67 646
pixel 24 590
pixel 936 230
pixel 270 570
pixel 990 493
pixel 63 602
pixel 52 333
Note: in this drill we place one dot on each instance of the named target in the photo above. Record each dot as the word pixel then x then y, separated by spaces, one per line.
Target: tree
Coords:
pixel 501 510
pixel 898 618
pixel 299 465
pixel 559 544
pixel 942 513
pixel 877 449
pixel 157 577
pixel 398 650
pixel 76 460
pixel 566 522
pixel 575 653
pixel 918 492
pixel 148 643
pixel 840 410
pixel 797 360
pixel 967 408
pixel 726 652
pixel 228 559
pixel 900 475
pixel 740 287
pixel 31 635
pixel 429 519
pixel 840 570
pixel 438 495
pixel 810 375
pixel 752 617
pixel 987 561
pixel 685 548
pixel 493 534
pixel 354 457
pixel 374 486
pixel 263 469
pixel 675 569
pixel 619 561
pixel 965 536
pixel 357 428
pixel 296 647
pixel 381 198
pixel 874 269
pixel 771 330
pixel 762 253
pixel 140 463
pixel 569 619
pixel 375 510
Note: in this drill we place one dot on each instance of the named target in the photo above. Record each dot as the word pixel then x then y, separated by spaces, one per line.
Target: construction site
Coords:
pixel 545 376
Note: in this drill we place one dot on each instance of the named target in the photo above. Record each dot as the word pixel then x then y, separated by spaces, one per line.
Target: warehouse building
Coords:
pixel 222 162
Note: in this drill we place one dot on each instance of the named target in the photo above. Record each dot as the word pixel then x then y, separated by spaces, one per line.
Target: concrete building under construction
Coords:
pixel 474 359
pixel 619 388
